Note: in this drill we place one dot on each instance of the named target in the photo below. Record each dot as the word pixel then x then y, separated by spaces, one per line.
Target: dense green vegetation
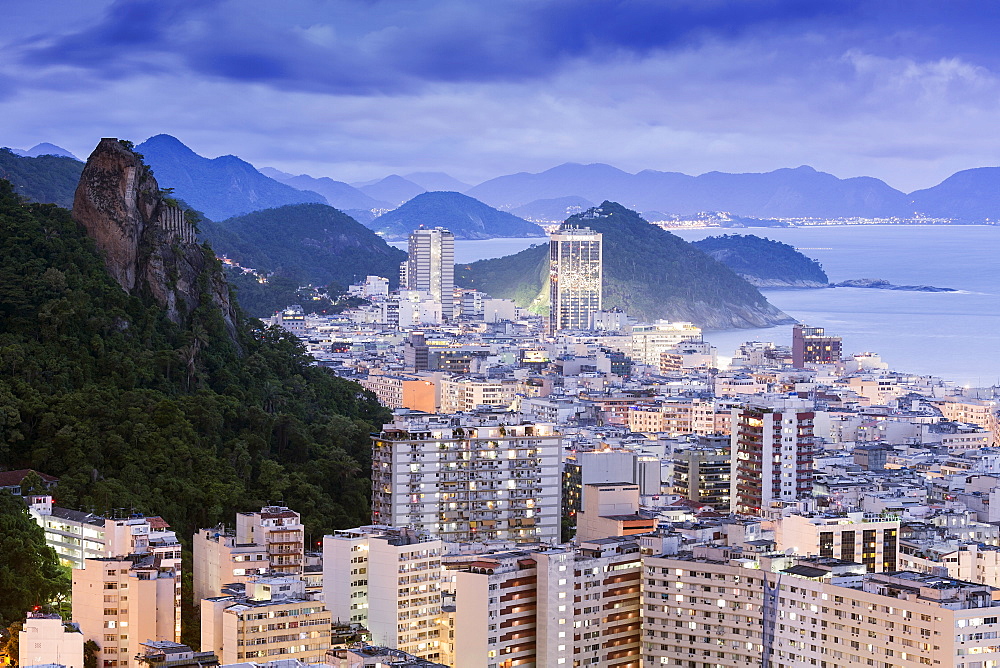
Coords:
pixel 648 272
pixel 48 178
pixel 30 574
pixel 749 255
pixel 465 217
pixel 131 411
pixel 523 277
pixel 301 243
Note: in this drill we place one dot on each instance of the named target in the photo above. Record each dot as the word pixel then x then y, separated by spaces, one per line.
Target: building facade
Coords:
pixel 431 266
pixel 811 345
pixel 468 477
pixel 772 454
pixel 576 274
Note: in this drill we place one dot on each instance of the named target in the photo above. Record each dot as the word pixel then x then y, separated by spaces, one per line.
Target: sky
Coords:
pixel 908 92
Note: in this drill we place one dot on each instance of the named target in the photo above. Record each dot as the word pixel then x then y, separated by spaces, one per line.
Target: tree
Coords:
pixel 10 643
pixel 90 651
pixel 29 569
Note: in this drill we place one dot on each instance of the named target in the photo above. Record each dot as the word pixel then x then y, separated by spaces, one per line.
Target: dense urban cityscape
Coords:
pixel 454 334
pixel 579 490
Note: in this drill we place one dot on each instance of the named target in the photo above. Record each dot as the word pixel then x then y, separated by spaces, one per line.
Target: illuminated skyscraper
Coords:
pixel 575 277
pixel 431 265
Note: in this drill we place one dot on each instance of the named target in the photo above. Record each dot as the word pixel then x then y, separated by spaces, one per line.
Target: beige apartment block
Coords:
pixel 468 478
pixel 413 392
pixel 387 580
pixel 219 560
pixel 47 639
pixel 464 394
pixel 496 610
pixel 723 608
pixel 122 601
pixel 869 539
pixel 674 417
pixel 611 509
pixel 281 533
pixel 265 619
pixel 649 341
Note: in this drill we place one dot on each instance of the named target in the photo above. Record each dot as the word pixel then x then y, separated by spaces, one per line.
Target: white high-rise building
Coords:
pixel 387 580
pixel 468 477
pixel 431 266
pixel 575 277
pixel 772 454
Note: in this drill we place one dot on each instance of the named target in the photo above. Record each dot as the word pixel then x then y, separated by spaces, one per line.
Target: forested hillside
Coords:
pixel 132 411
pixel 45 178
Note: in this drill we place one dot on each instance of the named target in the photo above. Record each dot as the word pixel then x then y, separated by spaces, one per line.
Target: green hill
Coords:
pixel 648 272
pixel 307 243
pixel 48 179
pixel 764 262
pixel 133 411
pixel 465 217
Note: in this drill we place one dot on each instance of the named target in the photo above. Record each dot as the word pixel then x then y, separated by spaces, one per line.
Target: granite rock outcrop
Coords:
pixel 149 246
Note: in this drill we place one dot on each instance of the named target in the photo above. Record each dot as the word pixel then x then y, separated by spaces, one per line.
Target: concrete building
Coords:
pixel 266 617
pixel 47 639
pixel 431 266
pixel 724 608
pixel 464 394
pixel 871 540
pixel 811 345
pixel 122 601
pixel 419 393
pixel 702 474
pixel 649 341
pixel 772 451
pixel 77 536
pixel 220 559
pixel 468 477
pixel 168 654
pixel 610 509
pixel 576 274
pixel 388 581
pixel 280 532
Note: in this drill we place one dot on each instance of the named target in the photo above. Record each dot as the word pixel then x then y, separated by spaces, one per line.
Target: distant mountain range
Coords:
pixel 227 186
pixel 50 179
pixel 44 148
pixel 465 217
pixel 337 193
pixel 220 187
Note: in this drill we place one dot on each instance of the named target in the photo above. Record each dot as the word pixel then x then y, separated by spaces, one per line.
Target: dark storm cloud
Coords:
pixel 392 46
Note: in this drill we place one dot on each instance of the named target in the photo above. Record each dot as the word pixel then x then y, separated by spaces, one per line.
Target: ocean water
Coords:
pixel 952 335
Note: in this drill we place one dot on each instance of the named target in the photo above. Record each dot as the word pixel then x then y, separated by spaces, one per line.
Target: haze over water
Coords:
pixel 952 335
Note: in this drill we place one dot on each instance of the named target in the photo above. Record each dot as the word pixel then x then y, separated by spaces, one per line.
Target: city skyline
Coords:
pixel 902 93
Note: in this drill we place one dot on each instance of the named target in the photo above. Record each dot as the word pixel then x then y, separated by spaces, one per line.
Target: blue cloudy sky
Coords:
pixel 356 89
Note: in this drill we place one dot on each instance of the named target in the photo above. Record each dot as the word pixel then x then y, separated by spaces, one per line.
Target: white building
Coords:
pixel 387 580
pixel 468 477
pixel 431 265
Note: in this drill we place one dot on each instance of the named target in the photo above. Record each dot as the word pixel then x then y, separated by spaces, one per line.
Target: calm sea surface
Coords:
pixel 952 335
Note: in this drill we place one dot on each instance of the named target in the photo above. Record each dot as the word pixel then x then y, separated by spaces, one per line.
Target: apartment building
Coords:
pixel 702 473
pixel 122 601
pixel 649 341
pixel 464 393
pixel 266 618
pixel 673 416
pixel 220 559
pixel 496 610
pixel 396 391
pixel 47 639
pixel 281 533
pixel 772 454
pixel 472 477
pixel 77 536
pixel 723 607
pixel 866 538
pixel 387 580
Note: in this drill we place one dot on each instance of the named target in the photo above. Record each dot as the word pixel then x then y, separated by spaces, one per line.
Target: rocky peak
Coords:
pixel 149 247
